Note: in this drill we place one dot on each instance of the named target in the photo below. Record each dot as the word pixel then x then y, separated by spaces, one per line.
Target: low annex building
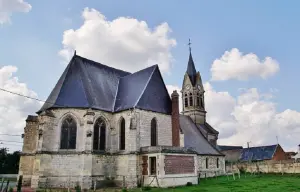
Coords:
pixel 100 123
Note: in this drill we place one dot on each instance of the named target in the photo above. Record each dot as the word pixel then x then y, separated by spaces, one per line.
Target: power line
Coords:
pixel 28 97
pixel 10 135
pixel 9 144
pixel 10 141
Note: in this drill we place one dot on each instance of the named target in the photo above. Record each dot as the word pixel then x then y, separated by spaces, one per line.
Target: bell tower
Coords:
pixel 193 93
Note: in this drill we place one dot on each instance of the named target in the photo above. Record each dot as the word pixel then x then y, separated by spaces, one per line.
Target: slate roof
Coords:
pixel 89 84
pixel 227 147
pixel 191 70
pixel 195 139
pixel 208 128
pixel 258 153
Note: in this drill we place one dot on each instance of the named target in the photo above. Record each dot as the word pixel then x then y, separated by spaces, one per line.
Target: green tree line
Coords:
pixel 9 162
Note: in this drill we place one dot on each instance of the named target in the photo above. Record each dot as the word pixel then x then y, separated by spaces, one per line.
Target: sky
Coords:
pixel 246 52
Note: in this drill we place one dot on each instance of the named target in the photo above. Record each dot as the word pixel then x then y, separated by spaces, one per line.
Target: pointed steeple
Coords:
pixel 191 69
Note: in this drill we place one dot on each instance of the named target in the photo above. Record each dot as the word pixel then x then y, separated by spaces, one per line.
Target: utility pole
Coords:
pixel 248 144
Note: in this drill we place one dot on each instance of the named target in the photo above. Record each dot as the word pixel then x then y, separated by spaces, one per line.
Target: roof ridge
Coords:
pixel 114 103
pixel 104 65
pixel 262 146
pixel 155 66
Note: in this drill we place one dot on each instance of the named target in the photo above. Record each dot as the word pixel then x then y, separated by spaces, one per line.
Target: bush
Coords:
pixel 189 184
pixel 77 188
pixel 124 190
pixel 242 170
pixel 11 189
pixel 147 188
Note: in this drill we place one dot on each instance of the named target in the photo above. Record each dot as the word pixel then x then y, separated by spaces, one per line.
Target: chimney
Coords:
pixel 175 119
pixel 299 148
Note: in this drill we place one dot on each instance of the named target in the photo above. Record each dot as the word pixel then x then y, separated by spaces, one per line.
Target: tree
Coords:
pixel 9 162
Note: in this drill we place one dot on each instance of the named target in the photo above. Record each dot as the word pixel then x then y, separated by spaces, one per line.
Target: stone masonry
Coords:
pixel 48 165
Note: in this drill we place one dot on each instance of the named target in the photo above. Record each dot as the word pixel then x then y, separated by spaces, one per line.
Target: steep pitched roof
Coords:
pixel 194 138
pixel 88 84
pixel 258 153
pixel 153 95
pixel 191 70
pixel 208 128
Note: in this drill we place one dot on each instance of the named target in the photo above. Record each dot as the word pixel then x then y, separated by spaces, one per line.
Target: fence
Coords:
pixel 287 166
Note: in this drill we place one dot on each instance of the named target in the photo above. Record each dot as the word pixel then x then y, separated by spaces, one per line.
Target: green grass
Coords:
pixel 254 183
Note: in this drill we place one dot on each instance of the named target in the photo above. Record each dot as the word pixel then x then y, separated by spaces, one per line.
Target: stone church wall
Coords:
pixel 212 169
pixel 64 168
pixel 164 128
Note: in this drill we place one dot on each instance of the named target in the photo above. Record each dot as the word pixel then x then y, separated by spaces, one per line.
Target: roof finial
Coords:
pixel 190 45
pixel 74 52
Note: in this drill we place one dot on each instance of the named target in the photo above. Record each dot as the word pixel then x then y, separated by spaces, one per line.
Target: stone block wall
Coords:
pixel 270 166
pixel 212 168
pixel 54 167
pixel 29 148
pixel 164 128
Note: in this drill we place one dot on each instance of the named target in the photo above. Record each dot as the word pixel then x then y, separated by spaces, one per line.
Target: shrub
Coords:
pixel 146 188
pixel 189 184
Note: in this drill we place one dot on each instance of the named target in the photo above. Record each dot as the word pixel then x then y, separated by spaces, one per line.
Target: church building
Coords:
pixel 103 125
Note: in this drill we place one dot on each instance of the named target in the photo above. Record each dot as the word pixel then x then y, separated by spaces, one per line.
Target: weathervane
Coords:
pixel 190 44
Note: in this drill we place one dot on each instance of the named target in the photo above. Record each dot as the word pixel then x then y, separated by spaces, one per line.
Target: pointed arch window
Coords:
pixel 99 135
pixel 186 104
pixel 68 133
pixel 191 99
pixel 122 134
pixel 153 132
pixel 198 100
pixel 201 102
pixel 206 163
pixel 217 162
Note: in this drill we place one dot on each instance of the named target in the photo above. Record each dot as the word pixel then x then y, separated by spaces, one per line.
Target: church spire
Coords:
pixel 191 70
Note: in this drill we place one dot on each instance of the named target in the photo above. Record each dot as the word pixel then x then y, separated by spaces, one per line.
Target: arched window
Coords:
pixel 206 163
pixel 201 102
pixel 68 133
pixel 198 100
pixel 186 104
pixel 191 99
pixel 217 162
pixel 153 132
pixel 99 135
pixel 122 134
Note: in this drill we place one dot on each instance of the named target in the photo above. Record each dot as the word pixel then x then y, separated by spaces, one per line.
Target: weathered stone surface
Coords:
pixel 48 165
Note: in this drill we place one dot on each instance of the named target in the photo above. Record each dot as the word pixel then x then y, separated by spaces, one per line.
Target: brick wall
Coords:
pixel 175 119
pixel 279 154
pixel 175 164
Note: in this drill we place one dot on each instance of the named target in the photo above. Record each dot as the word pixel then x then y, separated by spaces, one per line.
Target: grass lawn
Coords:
pixel 263 183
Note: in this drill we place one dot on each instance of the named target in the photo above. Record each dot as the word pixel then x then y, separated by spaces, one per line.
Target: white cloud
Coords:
pixel 7 7
pixel 234 65
pixel 13 108
pixel 249 117
pixel 124 43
